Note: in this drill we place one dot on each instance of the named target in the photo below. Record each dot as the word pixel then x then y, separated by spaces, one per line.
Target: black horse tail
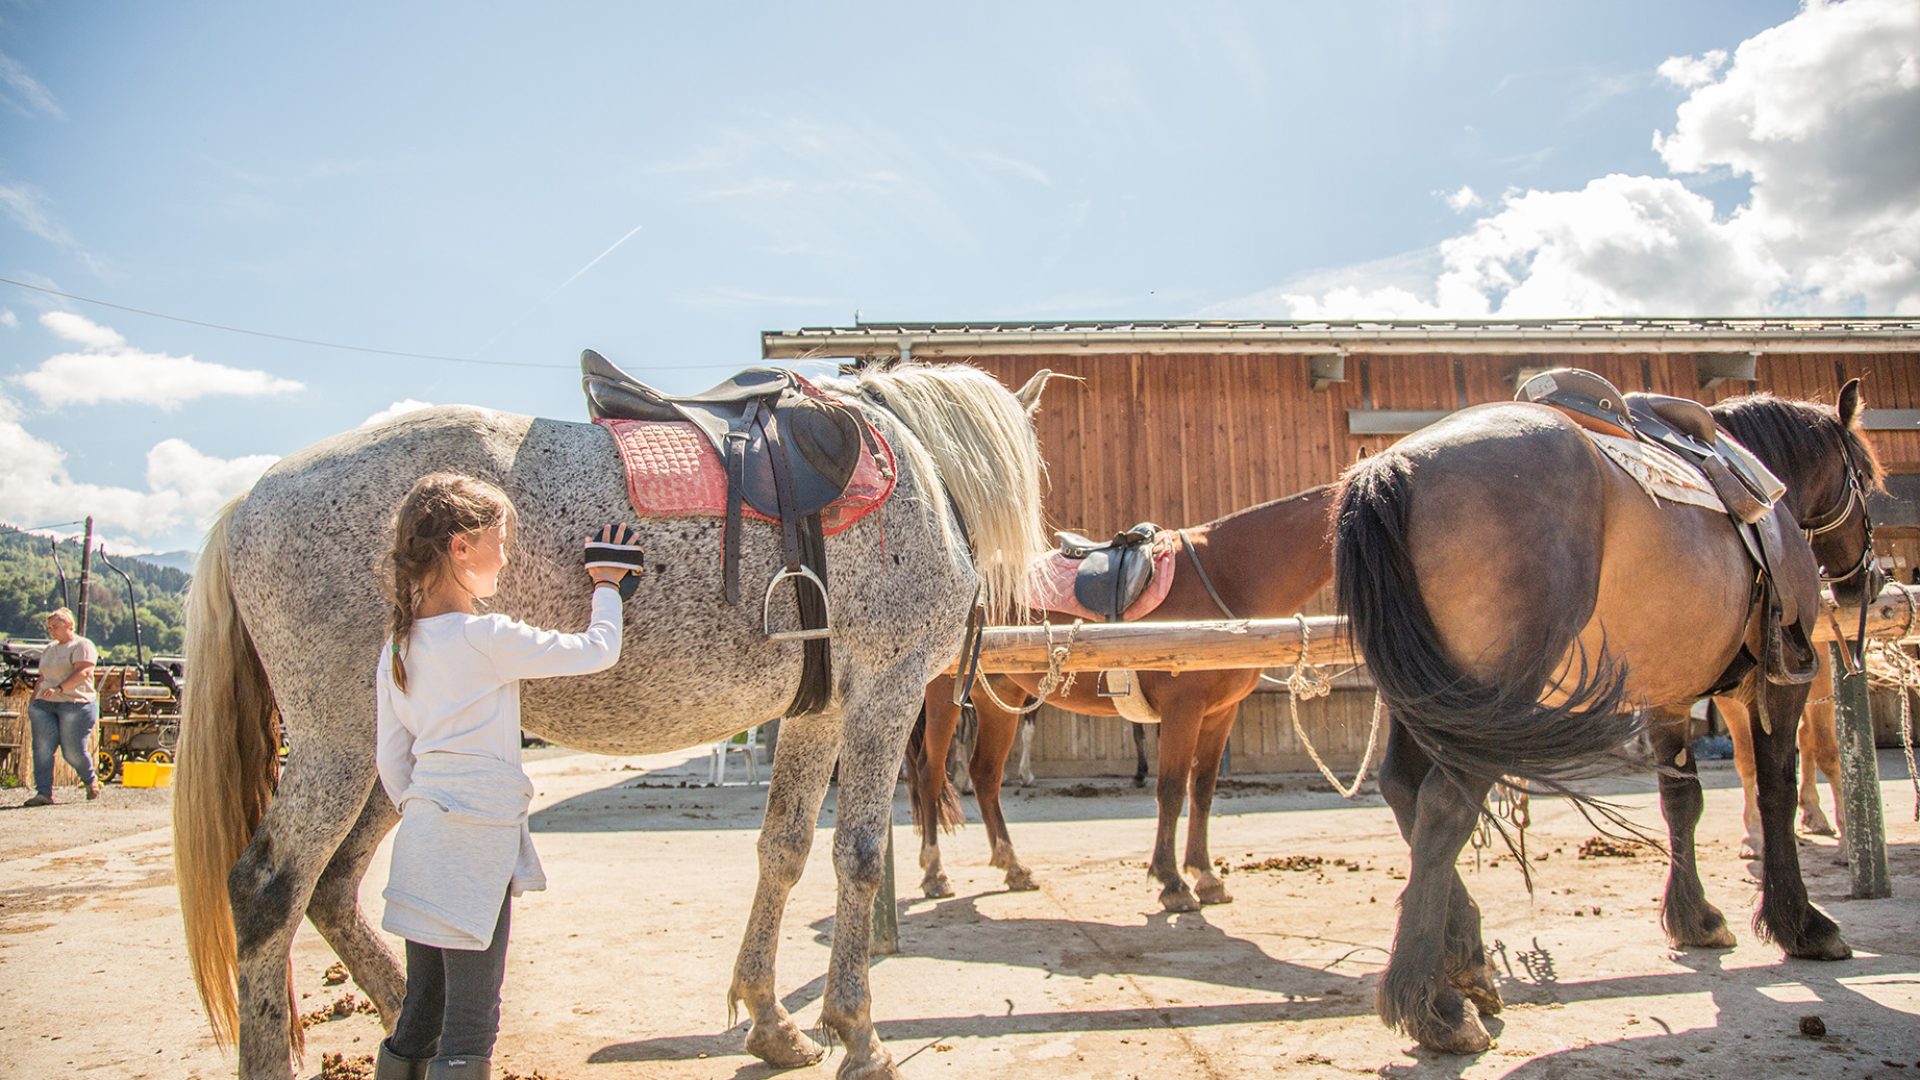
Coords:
pixel 1475 732
pixel 936 805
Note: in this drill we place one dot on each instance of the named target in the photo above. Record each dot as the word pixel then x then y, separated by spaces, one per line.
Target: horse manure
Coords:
pixel 1813 1027
pixel 1606 847
pixel 534 1075
pixel 1287 862
pixel 335 975
pixel 342 1067
pixel 343 1006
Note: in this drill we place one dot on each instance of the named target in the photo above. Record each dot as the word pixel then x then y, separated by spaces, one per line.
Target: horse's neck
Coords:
pixel 1267 561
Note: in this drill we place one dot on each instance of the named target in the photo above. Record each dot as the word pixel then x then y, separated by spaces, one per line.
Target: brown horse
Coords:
pixel 1819 752
pixel 1518 599
pixel 1266 561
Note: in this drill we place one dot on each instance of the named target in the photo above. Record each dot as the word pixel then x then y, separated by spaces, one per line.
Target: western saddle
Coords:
pixel 1111 575
pixel 787 453
pixel 1749 490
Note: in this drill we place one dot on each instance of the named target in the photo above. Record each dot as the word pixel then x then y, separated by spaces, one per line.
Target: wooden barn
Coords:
pixel 1181 422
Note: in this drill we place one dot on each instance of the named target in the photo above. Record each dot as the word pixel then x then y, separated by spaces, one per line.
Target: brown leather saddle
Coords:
pixel 1787 577
pixel 788 454
pixel 1113 574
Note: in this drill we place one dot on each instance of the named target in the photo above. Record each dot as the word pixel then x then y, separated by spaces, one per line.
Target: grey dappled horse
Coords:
pixel 286 611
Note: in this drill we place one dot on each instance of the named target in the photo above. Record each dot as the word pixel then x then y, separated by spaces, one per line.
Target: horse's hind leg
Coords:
pixel 1416 994
pixel 991 749
pixel 335 910
pixel 879 712
pixel 1690 921
pixel 1179 737
pixel 317 803
pixel 1820 752
pixel 1739 720
pixel 1785 915
pixel 1214 729
pixel 1402 770
pixel 929 780
pixel 799 784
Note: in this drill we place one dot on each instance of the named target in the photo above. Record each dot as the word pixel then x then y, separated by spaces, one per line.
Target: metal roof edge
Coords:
pixel 1638 335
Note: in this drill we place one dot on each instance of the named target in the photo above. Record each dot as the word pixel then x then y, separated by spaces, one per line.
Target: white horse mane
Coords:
pixel 981 444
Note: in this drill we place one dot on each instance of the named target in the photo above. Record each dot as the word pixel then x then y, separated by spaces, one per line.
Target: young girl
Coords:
pixel 449 756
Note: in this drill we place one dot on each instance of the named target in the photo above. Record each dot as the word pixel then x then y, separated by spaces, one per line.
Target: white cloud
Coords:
pixel 398 408
pixel 81 331
pixel 24 93
pixel 185 488
pixel 1463 200
pixel 28 208
pixel 109 370
pixel 1821 115
pixel 8 319
pixel 1692 72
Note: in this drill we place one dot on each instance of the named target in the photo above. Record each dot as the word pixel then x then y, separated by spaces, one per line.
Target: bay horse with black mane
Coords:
pixel 1266 561
pixel 1520 601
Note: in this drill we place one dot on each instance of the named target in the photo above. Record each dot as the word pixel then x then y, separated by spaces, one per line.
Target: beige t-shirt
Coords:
pixel 57 662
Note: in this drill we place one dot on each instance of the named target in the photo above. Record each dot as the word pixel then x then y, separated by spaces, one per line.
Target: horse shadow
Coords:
pixel 1184 946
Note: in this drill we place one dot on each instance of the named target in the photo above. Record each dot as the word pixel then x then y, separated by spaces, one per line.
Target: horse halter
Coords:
pixel 1853 657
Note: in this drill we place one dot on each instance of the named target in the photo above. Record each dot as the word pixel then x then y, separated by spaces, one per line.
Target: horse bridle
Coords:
pixel 1855 498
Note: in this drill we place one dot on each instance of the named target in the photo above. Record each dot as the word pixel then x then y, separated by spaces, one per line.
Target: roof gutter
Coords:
pixel 960 342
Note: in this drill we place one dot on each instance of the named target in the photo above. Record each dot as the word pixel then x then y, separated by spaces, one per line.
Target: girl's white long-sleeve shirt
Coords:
pixel 463 684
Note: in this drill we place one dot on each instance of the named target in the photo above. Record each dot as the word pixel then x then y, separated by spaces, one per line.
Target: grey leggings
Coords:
pixel 453 998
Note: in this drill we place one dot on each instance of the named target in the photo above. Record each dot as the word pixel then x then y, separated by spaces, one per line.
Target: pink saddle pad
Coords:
pixel 673 471
pixel 1050 584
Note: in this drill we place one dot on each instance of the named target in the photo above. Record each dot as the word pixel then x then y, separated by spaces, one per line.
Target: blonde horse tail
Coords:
pixel 229 762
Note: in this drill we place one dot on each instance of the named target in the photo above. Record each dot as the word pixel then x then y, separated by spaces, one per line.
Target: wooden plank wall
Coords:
pixel 1180 439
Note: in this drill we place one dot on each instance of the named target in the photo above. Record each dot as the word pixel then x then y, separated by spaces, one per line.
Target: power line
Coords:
pixel 267 334
pixel 335 344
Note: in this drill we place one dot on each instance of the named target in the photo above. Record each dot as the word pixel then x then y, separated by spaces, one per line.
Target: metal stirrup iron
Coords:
pixel 799 573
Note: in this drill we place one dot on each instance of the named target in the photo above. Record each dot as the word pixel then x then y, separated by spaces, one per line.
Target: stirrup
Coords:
pixel 1103 684
pixel 798 574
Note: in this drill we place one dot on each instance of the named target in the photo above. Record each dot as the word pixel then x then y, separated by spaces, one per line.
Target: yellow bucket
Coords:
pixel 146 774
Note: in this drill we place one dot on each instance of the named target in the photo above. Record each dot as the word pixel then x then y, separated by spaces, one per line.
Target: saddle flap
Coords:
pixel 1110 578
pixel 1792 596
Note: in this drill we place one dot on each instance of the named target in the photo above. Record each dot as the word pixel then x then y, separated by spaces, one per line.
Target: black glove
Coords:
pixel 617 546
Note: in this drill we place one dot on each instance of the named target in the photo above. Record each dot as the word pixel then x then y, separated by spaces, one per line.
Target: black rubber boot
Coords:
pixel 460 1068
pixel 388 1065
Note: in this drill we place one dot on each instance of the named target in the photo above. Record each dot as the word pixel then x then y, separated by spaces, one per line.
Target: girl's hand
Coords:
pixel 613 552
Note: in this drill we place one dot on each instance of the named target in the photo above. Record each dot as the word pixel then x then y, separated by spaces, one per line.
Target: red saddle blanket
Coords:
pixel 673 471
pixel 1050 583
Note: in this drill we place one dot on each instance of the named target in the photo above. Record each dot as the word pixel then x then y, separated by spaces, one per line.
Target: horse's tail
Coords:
pixel 1472 730
pixel 935 802
pixel 229 762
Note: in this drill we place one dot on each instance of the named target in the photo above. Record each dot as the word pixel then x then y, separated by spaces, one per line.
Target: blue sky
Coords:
pixel 431 177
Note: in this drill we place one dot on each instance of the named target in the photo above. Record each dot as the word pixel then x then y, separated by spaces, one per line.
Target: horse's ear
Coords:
pixel 1849 403
pixel 1029 395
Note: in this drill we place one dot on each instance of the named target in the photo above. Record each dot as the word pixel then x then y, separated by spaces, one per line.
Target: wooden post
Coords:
pixel 86 568
pixel 886 915
pixel 1860 784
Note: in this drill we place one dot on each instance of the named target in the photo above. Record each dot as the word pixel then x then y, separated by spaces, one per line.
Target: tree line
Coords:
pixel 30 587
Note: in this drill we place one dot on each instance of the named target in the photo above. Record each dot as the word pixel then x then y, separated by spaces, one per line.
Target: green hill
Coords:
pixel 29 587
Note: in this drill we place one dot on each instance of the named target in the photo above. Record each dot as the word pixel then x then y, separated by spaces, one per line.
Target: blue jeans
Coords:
pixel 67 723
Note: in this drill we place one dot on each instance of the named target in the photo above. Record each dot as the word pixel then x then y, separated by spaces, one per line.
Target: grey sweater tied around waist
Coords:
pixel 463 843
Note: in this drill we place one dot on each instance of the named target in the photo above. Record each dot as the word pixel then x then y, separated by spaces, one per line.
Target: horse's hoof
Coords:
pixel 1750 852
pixel 1021 880
pixel 1179 900
pixel 1214 893
pixel 1816 826
pixel 1829 947
pixel 936 888
pixel 783 1046
pixel 880 1068
pixel 1469 1036
pixel 1714 937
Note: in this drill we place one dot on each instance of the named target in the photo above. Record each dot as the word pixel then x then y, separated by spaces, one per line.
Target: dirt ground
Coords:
pixel 621 970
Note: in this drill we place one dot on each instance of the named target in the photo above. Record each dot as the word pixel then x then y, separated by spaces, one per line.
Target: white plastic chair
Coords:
pixel 745 744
